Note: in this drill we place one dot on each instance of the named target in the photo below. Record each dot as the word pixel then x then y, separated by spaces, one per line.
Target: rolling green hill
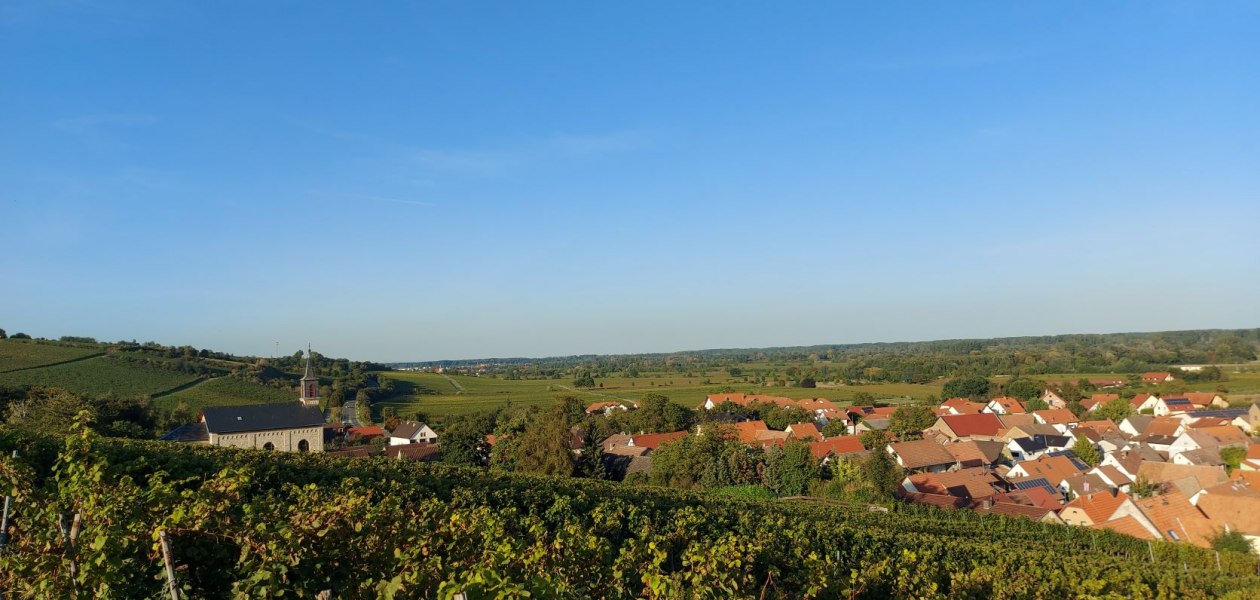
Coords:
pixel 99 376
pixel 95 370
pixel 26 354
pixel 223 391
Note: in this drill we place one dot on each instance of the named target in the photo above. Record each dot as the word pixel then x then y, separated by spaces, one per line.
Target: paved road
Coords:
pixel 350 413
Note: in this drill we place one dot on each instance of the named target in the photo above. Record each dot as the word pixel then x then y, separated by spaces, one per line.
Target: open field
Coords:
pixel 24 354
pixel 99 376
pixel 224 391
pixel 436 395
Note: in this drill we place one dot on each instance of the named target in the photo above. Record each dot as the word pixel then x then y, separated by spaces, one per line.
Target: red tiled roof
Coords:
pixel 977 424
pixel 844 444
pixel 802 431
pixel 966 483
pixel 1199 398
pixel 1128 526
pixel 972 453
pixel 748 430
pixel 421 452
pixel 1102 426
pixel 1056 416
pixel 1224 435
pixel 962 406
pixel 812 404
pixel 352 452
pixel 366 431
pixel 1010 405
pixel 1011 509
pixel 922 453
pixel 1099 506
pixel 1177 519
pixel 1054 468
pixel 652 441
pixel 600 406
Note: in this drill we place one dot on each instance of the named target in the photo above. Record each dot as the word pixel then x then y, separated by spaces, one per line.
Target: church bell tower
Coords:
pixel 310 383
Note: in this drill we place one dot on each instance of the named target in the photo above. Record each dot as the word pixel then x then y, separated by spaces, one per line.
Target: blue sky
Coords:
pixel 417 181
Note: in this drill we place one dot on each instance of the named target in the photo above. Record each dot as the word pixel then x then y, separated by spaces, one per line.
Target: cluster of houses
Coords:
pixel 1160 476
pixel 625 454
pixel 408 440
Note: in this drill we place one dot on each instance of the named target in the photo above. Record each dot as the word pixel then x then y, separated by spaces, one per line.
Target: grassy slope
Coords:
pixel 224 391
pixel 99 376
pixel 23 354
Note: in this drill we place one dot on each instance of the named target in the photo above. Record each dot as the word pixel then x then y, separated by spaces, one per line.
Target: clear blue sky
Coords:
pixel 470 179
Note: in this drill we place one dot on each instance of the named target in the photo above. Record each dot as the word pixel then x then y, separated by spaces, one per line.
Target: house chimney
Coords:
pixel 987 503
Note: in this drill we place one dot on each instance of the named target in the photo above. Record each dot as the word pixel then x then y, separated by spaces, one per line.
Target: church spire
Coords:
pixel 310 382
pixel 310 372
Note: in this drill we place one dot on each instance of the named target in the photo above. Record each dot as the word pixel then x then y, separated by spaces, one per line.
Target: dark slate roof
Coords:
pixel 406 429
pixel 1058 441
pixel 1039 482
pixel 192 432
pixel 1224 413
pixel 420 452
pixel 261 417
pixel 1030 444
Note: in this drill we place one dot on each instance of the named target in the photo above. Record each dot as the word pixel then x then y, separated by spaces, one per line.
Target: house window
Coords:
pixel 1173 534
pixel 303 446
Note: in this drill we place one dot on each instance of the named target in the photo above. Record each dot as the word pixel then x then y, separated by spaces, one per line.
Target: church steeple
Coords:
pixel 310 382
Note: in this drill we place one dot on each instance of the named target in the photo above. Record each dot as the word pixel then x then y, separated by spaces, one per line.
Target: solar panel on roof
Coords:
pixel 1033 483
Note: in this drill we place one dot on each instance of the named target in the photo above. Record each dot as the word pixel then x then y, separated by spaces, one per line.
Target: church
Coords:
pixel 290 427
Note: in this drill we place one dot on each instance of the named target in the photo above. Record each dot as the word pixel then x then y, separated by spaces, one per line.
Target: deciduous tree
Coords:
pixel 971 386
pixel 1086 451
pixel 910 420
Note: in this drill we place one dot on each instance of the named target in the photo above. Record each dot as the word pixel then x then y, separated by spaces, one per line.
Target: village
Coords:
pixel 1178 467
pixel 1160 474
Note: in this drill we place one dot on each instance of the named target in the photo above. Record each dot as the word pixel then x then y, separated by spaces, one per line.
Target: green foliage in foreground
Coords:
pixel 249 523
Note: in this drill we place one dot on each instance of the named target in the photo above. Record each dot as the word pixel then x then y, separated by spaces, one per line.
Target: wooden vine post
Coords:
pixel 69 538
pixel 169 562
pixel 4 521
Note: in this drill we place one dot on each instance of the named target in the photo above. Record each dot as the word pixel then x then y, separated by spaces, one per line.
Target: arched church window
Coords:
pixel 269 446
pixel 303 446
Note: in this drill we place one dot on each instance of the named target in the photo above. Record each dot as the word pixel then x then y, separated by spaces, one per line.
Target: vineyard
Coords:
pixel 25 354
pixel 257 524
pixel 99 376
pixel 224 391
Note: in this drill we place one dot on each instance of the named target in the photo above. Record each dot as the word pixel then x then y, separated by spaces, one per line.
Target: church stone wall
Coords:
pixel 286 440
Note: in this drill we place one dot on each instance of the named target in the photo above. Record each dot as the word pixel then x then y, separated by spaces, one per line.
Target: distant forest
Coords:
pixel 917 362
